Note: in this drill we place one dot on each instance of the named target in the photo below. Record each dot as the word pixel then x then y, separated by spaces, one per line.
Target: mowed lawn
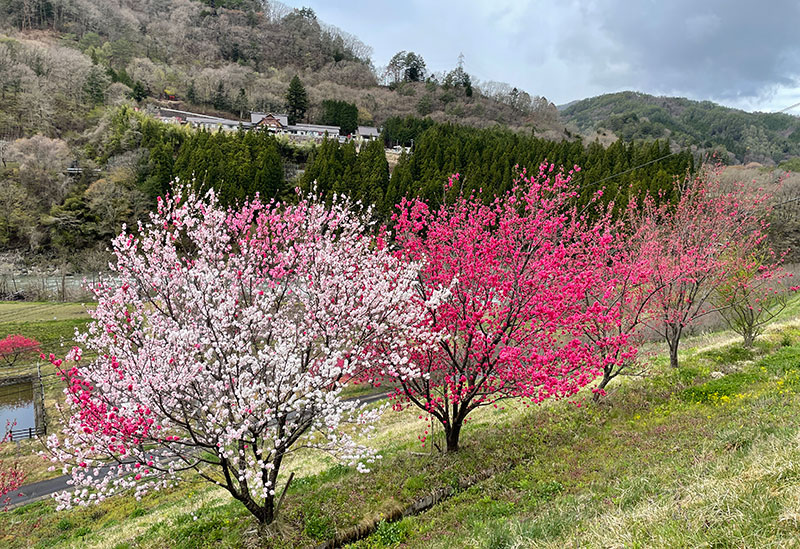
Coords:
pixel 21 312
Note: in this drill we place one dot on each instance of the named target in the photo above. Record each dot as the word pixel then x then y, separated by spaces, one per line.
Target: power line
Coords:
pixel 636 167
pixel 790 107
pixel 668 155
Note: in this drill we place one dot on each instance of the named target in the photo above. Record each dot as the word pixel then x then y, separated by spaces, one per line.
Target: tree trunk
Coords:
pixel 269 509
pixel 673 352
pixel 452 433
pixel 673 337
pixel 264 514
pixel 602 385
pixel 749 338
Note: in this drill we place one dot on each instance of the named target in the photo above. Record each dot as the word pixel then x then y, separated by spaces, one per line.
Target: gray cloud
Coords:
pixel 721 49
pixel 737 52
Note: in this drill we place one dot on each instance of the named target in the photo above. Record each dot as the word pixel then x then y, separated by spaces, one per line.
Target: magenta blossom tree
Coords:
pixel 518 272
pixel 223 340
pixel 11 475
pixel 626 287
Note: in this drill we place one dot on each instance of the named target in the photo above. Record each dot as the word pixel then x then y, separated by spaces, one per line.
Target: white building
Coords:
pixel 279 123
pixel 368 133
pixel 213 123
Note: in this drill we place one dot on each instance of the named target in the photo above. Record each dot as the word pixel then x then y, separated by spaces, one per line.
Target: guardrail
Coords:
pixel 15 435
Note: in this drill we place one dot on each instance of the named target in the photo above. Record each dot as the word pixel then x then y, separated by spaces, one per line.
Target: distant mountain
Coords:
pixel 564 106
pixel 740 136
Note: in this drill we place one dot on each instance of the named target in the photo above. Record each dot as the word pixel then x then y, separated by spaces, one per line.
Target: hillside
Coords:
pixel 62 59
pixel 75 163
pixel 740 137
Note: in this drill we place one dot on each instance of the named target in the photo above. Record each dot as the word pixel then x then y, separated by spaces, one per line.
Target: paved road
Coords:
pixel 35 491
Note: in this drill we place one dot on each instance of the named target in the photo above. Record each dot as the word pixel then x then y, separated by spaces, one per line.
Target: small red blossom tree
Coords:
pixel 11 476
pixel 15 346
pixel 223 340
pixel 694 247
pixel 754 294
pixel 514 317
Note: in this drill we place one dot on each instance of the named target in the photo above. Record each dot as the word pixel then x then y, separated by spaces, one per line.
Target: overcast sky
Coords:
pixel 740 53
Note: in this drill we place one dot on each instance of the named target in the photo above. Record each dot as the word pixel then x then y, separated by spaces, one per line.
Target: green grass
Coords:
pixel 53 325
pixel 26 311
pixel 693 471
pixel 704 456
pixel 792 309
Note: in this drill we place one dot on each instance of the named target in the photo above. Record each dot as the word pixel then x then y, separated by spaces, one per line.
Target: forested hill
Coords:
pixel 739 136
pixel 62 59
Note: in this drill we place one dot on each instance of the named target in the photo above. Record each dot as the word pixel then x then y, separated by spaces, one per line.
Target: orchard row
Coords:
pixel 225 336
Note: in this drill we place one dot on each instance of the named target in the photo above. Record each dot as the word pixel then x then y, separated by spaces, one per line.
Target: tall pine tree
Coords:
pixel 296 100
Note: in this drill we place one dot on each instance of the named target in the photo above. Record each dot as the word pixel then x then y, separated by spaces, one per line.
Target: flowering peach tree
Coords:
pixel 625 285
pixel 694 248
pixel 11 475
pixel 223 341
pixel 16 346
pixel 518 271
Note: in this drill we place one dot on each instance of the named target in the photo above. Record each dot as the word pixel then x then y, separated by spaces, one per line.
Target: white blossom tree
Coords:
pixel 223 341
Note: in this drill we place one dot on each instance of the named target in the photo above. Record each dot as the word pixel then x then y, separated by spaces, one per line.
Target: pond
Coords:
pixel 17 404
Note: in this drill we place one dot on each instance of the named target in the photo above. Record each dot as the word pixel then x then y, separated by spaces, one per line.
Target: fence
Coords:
pixel 41 287
pixel 16 435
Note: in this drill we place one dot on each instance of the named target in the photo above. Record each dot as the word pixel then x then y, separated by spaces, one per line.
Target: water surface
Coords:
pixel 16 404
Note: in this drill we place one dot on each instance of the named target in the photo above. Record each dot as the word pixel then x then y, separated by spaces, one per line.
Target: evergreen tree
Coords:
pixel 296 100
pixel 124 77
pixel 340 113
pixel 241 104
pixel 139 91
pixel 220 99
pixel 406 67
pixel 95 86
pixel 191 93
pixel 373 172
pixel 269 176
pixel 160 167
pixel 414 68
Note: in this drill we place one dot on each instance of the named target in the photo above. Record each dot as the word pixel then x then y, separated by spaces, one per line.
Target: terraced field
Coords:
pixel 21 311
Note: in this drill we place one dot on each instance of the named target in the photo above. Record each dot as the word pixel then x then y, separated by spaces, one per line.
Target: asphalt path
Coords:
pixel 36 491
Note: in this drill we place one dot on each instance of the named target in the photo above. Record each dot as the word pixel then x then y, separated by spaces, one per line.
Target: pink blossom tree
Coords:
pixel 514 323
pixel 15 346
pixel 694 246
pixel 223 340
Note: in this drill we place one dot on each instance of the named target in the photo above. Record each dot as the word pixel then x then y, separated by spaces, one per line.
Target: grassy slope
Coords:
pixel 676 459
pixel 22 312
pixel 713 465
